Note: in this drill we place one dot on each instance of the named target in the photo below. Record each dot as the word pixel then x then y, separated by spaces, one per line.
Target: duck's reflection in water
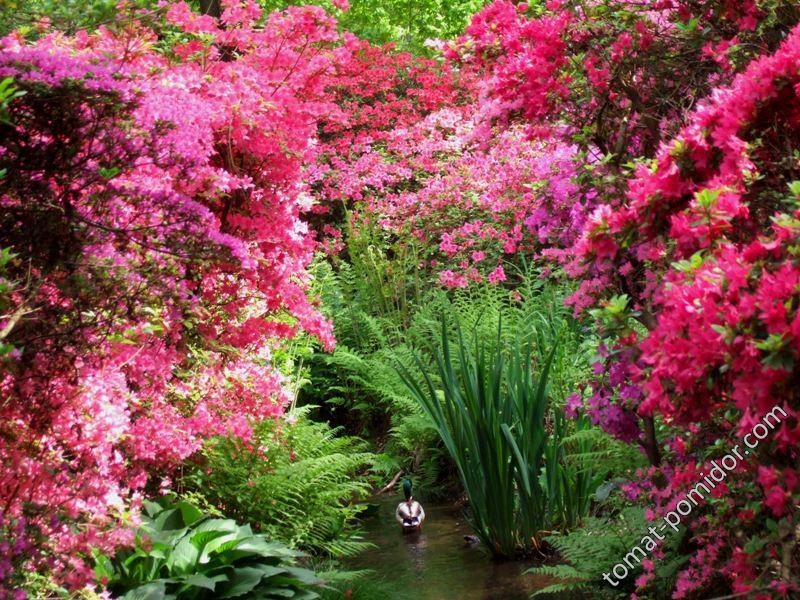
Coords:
pixel 416 542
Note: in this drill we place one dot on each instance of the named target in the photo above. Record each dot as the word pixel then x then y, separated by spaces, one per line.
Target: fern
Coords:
pixel 595 548
pixel 593 448
pixel 294 482
pixel 360 379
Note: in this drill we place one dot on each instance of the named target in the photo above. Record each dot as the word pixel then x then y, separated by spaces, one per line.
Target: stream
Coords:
pixel 436 563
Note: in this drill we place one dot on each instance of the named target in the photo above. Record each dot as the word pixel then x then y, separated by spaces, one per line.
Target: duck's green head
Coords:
pixel 407 488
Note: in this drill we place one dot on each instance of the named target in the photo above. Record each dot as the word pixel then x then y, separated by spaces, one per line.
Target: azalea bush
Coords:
pixel 687 119
pixel 408 154
pixel 154 256
pixel 719 281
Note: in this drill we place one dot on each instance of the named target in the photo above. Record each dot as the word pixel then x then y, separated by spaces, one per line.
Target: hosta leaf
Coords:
pixel 270 571
pixel 305 595
pixel 155 590
pixel 281 593
pixel 304 575
pixel 226 525
pixel 220 547
pixel 151 509
pixel 202 562
pixel 243 581
pixel 198 580
pixel 191 514
pixel 184 556
pixel 202 538
pixel 170 519
pixel 262 547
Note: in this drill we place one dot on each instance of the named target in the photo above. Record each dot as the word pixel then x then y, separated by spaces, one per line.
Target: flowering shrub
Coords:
pixel 711 227
pixel 405 151
pixel 619 74
pixel 155 255
pixel 484 206
pixel 689 260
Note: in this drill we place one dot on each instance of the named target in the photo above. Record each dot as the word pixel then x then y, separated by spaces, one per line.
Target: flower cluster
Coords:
pixel 407 150
pixel 154 258
pixel 687 255
pixel 709 233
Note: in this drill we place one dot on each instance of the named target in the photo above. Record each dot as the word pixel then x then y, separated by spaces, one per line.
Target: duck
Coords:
pixel 471 540
pixel 409 513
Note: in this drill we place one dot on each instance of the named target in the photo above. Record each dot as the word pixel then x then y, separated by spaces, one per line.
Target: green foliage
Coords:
pixel 357 585
pixel 592 447
pixel 368 384
pixel 492 400
pixel 358 384
pixel 572 474
pixel 295 480
pixel 480 413
pixel 391 283
pixel 64 15
pixel 8 93
pixel 408 23
pixel 8 287
pixel 366 588
pixel 180 553
pixel 359 379
pixel 596 547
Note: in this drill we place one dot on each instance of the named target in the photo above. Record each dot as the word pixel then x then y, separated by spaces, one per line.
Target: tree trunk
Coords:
pixel 211 7
pixel 650 441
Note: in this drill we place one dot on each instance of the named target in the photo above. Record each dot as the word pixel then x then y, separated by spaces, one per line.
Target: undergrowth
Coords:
pixel 296 481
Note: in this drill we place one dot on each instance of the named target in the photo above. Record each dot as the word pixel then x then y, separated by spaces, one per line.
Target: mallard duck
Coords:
pixel 409 513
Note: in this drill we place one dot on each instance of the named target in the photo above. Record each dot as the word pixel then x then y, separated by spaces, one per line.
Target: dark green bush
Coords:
pixel 180 553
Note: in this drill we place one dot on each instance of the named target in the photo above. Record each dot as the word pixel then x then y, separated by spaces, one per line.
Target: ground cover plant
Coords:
pixel 181 553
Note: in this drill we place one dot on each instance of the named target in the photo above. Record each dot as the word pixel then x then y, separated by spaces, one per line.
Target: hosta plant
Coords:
pixel 180 553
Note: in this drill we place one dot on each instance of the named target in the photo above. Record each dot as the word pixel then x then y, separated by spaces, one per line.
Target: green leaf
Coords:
pixel 304 575
pixel 108 172
pixel 103 567
pixel 191 514
pixel 184 556
pixel 270 571
pixel 243 581
pixel 169 519
pixel 155 590
pixel 199 580
pixel 283 593
pixel 707 198
pixel 201 538
pixel 219 547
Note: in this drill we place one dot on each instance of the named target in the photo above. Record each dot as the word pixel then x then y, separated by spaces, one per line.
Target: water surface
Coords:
pixel 436 564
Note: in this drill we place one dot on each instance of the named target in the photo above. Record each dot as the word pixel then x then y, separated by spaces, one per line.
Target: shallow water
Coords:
pixel 437 564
